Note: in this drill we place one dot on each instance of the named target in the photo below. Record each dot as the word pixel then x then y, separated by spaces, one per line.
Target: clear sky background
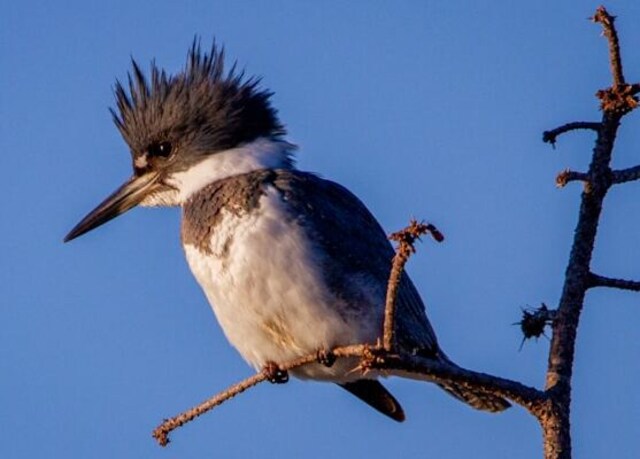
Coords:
pixel 422 108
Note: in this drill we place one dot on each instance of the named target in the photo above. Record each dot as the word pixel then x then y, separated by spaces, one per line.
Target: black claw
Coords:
pixel 326 358
pixel 275 374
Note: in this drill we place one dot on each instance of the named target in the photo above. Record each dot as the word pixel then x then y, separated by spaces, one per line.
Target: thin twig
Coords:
pixel 406 239
pixel 161 433
pixel 620 98
pixel 626 175
pixel 566 176
pixel 378 359
pixel 609 30
pixel 552 135
pixel 622 284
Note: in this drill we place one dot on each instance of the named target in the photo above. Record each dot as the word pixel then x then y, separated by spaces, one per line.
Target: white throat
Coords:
pixel 262 153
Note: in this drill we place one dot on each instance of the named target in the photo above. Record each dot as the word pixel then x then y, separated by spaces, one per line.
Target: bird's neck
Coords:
pixel 262 153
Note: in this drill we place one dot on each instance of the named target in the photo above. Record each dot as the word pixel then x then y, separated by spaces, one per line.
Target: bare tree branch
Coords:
pixel 567 176
pixel 616 102
pixel 406 239
pixel 622 284
pixel 626 175
pixel 161 433
pixel 609 30
pixel 376 358
pixel 552 135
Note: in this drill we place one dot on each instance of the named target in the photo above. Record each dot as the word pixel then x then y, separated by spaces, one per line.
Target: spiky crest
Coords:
pixel 203 105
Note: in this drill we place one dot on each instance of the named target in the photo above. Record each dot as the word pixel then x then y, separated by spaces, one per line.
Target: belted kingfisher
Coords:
pixel 291 263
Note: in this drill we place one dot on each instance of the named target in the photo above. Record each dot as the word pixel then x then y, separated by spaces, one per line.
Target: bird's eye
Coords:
pixel 161 149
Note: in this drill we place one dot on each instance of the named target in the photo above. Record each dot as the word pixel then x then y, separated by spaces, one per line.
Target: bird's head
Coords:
pixel 172 123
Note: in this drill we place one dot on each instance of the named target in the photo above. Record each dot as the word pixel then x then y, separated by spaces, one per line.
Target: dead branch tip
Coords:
pixel 406 239
pixel 607 21
pixel 552 135
pixel 567 175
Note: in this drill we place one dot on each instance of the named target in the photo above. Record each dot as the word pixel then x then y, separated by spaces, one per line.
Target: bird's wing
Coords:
pixel 355 246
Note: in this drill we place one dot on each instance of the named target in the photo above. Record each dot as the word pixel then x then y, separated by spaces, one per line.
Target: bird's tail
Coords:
pixel 472 396
pixel 476 399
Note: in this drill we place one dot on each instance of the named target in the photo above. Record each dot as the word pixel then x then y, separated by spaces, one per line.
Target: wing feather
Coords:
pixel 356 247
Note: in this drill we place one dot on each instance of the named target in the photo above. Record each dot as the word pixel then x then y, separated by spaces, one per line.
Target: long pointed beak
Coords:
pixel 129 195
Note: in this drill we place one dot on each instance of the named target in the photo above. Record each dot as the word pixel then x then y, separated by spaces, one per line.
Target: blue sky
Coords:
pixel 422 108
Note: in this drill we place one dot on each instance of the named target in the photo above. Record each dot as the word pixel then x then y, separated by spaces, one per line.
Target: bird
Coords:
pixel 291 263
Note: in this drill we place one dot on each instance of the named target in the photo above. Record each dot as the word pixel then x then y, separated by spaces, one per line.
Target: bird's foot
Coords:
pixel 326 358
pixel 275 374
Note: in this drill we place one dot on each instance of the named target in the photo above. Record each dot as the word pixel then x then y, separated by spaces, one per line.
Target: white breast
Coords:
pixel 265 286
